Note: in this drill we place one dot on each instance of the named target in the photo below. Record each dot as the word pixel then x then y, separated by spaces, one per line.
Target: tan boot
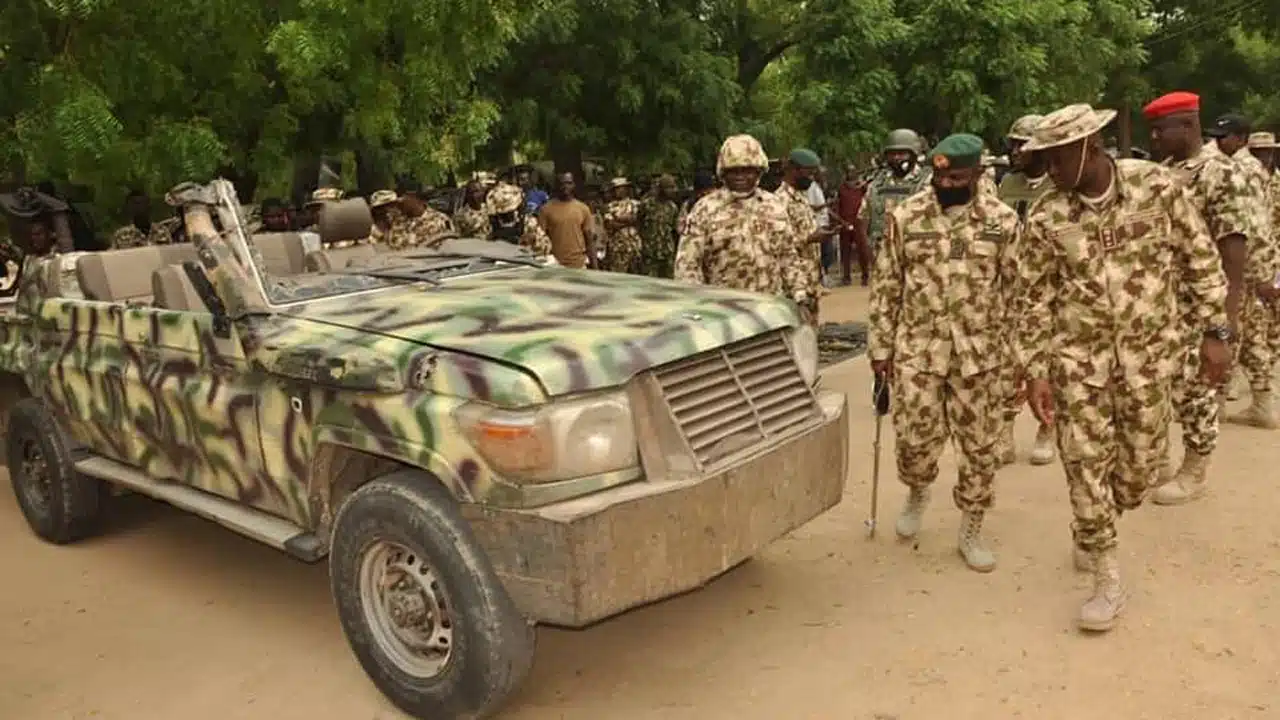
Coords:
pixel 1043 451
pixel 912 516
pixel 1188 484
pixel 975 553
pixel 1259 414
pixel 1006 451
pixel 1083 560
pixel 1100 611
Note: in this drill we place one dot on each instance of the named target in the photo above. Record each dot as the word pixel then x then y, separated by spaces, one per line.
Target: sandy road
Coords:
pixel 168 617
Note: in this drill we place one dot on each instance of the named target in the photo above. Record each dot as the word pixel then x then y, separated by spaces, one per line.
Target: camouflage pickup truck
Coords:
pixel 475 441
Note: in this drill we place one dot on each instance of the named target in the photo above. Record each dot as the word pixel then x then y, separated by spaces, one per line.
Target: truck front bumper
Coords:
pixel 580 561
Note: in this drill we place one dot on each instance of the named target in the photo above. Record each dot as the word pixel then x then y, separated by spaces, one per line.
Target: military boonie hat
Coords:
pixel 383 197
pixel 1067 125
pixel 325 195
pixel 1262 141
pixel 619 182
pixel 1023 127
pixel 484 178
pixel 503 198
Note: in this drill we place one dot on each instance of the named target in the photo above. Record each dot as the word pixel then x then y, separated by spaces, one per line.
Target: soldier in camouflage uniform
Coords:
pixel 797 177
pixel 422 225
pixel 1220 192
pixel 1020 189
pixel 1261 324
pixel 508 220
pixel 471 220
pixel 739 236
pixel 902 178
pixel 383 207
pixel 939 294
pixel 141 230
pixel 620 216
pixel 1115 262
pixel 659 229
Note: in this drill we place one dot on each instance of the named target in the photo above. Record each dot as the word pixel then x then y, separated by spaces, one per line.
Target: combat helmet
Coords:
pixel 503 198
pixel 1023 127
pixel 902 139
pixel 739 151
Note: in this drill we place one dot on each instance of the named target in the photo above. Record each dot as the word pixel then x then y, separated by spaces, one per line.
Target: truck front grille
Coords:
pixel 734 397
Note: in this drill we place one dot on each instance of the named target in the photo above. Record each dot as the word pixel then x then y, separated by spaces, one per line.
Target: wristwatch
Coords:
pixel 1220 332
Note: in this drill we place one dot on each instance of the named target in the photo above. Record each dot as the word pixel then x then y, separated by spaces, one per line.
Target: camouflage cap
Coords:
pixel 1067 125
pixel 325 195
pixel 484 178
pixel 1023 127
pixel 503 198
pixel 619 182
pixel 1262 141
pixel 383 197
pixel 741 151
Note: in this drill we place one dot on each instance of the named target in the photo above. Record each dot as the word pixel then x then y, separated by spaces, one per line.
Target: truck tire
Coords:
pixel 420 604
pixel 61 505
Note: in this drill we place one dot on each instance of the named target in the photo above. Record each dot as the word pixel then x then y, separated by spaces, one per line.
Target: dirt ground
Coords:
pixel 169 617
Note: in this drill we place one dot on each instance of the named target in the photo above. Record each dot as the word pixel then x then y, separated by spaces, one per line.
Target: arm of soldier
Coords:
pixel 535 238
pixel 886 296
pixel 1199 267
pixel 692 248
pixel 1230 225
pixel 798 282
pixel 1035 284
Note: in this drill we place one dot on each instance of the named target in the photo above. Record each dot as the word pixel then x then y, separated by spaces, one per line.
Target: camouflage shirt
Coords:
pixel 884 192
pixel 802 219
pixel 623 246
pixel 471 222
pixel 130 236
pixel 426 230
pixel 533 237
pixel 741 244
pixel 1260 182
pixel 659 233
pixel 941 286
pixel 1220 191
pixel 1099 281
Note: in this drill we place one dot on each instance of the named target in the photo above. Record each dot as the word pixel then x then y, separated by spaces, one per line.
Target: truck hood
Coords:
pixel 575 330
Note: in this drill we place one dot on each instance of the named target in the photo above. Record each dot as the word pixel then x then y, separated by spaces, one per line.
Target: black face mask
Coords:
pixel 901 168
pixel 952 196
pixel 803 183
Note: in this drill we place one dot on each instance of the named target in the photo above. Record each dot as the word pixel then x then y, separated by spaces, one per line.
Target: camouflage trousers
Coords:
pixel 623 250
pixel 1259 332
pixel 931 409
pixel 1113 441
pixel 1196 403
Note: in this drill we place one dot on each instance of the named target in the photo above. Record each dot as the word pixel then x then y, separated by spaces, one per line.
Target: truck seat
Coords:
pixel 124 275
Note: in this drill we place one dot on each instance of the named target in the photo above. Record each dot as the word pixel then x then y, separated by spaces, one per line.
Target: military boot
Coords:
pixel 975 553
pixel 1043 451
pixel 1188 484
pixel 1006 452
pixel 913 513
pixel 1100 611
pixel 1259 414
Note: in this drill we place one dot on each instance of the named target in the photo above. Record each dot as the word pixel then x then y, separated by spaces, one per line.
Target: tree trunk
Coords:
pixel 567 157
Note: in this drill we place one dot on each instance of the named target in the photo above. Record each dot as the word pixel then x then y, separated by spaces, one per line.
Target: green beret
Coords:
pixel 805 158
pixel 960 150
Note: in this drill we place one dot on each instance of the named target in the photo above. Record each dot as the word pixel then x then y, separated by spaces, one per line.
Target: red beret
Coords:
pixel 1174 102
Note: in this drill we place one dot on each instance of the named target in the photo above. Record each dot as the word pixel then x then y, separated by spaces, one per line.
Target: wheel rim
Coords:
pixel 36 486
pixel 406 608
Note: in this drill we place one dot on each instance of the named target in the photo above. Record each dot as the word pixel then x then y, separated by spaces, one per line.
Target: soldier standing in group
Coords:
pixel 939 295
pixel 620 218
pixel 1115 262
pixel 739 236
pixel 382 206
pixel 509 221
pixel 797 177
pixel 141 230
pixel 1020 188
pixel 1259 316
pixel 903 178
pixel 1219 190
pixel 659 229
pixel 471 220
pixel 422 226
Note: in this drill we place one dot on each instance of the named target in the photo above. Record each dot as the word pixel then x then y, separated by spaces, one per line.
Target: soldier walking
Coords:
pixel 797 177
pixel 1020 188
pixel 739 236
pixel 1219 191
pixel 938 301
pixel 903 178
pixel 1101 337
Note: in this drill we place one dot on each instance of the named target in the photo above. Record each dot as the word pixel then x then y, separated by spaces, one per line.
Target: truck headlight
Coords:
pixel 562 440
pixel 804 346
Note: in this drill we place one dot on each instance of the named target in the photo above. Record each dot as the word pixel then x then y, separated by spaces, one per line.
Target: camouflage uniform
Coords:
pixel 742 241
pixel 622 248
pixel 505 198
pixel 426 230
pixel 1102 321
pixel 130 236
pixel 938 302
pixel 659 232
pixel 1260 324
pixel 1219 191
pixel 802 219
pixel 471 222
pixel 884 192
pixel 379 199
